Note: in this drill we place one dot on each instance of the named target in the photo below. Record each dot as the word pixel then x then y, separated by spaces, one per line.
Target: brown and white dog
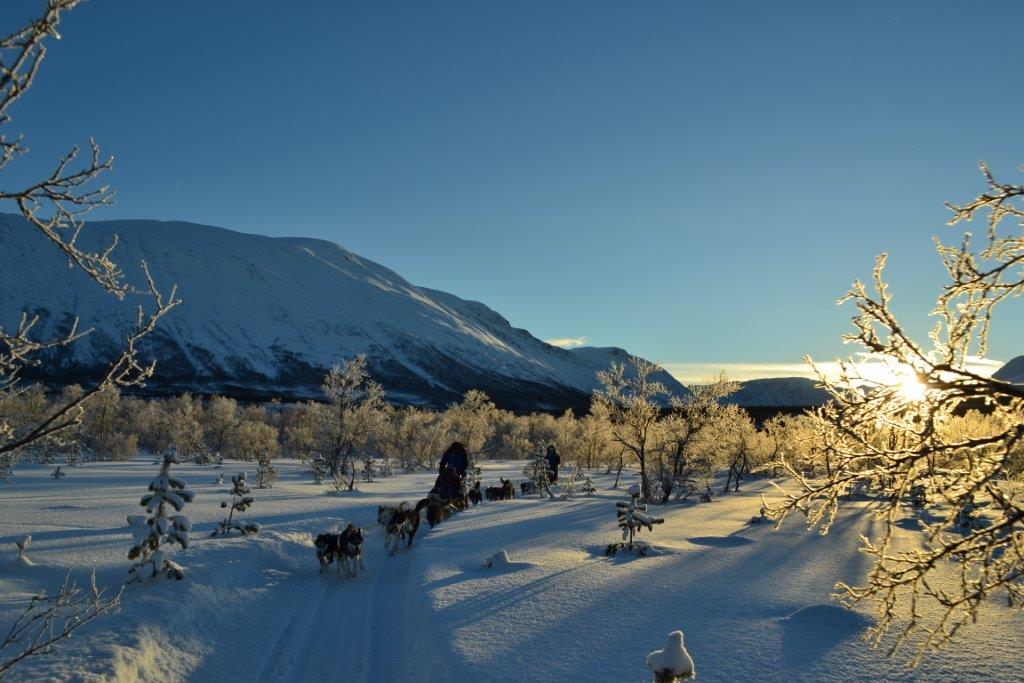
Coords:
pixel 437 509
pixel 399 523
pixel 345 548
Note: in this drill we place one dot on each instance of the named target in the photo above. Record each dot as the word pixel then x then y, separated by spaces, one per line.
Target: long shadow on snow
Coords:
pixel 722 600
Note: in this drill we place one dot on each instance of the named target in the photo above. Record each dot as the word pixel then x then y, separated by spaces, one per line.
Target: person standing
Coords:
pixel 554 461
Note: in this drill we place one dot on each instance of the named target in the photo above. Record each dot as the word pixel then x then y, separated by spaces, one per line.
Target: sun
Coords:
pixel 911 389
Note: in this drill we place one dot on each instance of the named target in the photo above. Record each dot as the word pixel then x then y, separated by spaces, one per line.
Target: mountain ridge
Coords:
pixel 266 316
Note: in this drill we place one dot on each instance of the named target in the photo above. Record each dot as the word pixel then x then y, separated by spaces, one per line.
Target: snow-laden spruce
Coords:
pixel 537 474
pixel 165 526
pixel 632 516
pixel 266 473
pixel 22 548
pixel 241 499
pixel 672 663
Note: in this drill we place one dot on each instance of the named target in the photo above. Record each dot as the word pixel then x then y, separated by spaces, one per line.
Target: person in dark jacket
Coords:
pixel 554 461
pixel 457 457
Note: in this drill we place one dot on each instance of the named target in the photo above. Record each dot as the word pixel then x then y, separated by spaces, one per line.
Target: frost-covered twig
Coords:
pixel 50 619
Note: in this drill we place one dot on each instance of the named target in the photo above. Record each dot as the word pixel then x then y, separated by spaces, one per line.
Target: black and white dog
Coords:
pixel 399 523
pixel 345 548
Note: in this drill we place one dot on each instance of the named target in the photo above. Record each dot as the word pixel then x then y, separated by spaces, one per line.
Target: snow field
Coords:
pixel 754 603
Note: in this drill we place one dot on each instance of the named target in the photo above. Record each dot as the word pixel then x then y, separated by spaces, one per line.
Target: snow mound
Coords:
pixel 811 631
pixel 673 659
pixel 498 560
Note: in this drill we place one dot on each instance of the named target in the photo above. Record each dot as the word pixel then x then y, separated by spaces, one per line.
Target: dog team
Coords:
pixel 400 523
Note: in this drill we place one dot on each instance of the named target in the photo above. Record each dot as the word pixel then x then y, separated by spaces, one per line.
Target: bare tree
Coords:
pixel 55 206
pixel 49 619
pixel 892 435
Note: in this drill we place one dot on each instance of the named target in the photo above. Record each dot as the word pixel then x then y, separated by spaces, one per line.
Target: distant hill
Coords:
pixel 1012 371
pixel 265 317
pixel 779 392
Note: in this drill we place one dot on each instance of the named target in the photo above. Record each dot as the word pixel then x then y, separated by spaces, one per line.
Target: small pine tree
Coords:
pixel 918 495
pixel 632 516
pixel 588 485
pixel 22 547
pixel 537 473
pixel 965 515
pixel 161 528
pixel 240 502
pixel 577 482
pixel 318 467
pixel 266 474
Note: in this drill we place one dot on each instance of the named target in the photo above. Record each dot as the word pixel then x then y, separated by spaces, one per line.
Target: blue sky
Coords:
pixel 696 182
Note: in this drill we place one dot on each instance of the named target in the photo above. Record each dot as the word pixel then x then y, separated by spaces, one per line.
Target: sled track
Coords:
pixel 285 655
pixel 313 646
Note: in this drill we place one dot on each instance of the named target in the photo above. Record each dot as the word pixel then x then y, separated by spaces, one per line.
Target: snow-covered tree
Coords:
pixel 692 437
pixel 369 470
pixel 241 499
pixel 893 434
pixel 318 468
pixel 471 422
pixel 266 473
pixel 219 420
pixel 251 440
pixel 165 526
pixel 578 482
pixel 632 517
pixel 631 403
pixel 353 413
pixel 183 415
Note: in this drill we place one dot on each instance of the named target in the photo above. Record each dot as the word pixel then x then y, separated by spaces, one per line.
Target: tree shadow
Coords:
pixel 811 631
pixel 721 541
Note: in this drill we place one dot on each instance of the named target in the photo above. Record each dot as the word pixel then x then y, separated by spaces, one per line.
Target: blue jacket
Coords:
pixel 457 460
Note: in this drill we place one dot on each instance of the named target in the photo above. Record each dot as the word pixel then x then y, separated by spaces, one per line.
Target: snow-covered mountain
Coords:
pixel 264 316
pixel 779 392
pixel 1012 371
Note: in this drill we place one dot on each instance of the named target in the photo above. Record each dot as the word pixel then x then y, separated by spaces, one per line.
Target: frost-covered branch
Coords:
pixel 934 432
pixel 56 206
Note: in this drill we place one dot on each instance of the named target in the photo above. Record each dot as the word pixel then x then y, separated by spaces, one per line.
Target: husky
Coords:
pixel 474 494
pixel 399 523
pixel 345 549
pixel 438 510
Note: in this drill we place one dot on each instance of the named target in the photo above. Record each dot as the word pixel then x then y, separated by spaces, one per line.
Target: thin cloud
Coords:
pixel 567 342
pixel 692 373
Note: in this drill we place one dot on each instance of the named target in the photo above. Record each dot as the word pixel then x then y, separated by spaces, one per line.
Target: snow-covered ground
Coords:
pixel 753 603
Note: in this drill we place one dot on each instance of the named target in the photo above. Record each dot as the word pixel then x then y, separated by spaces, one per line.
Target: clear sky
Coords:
pixel 694 181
